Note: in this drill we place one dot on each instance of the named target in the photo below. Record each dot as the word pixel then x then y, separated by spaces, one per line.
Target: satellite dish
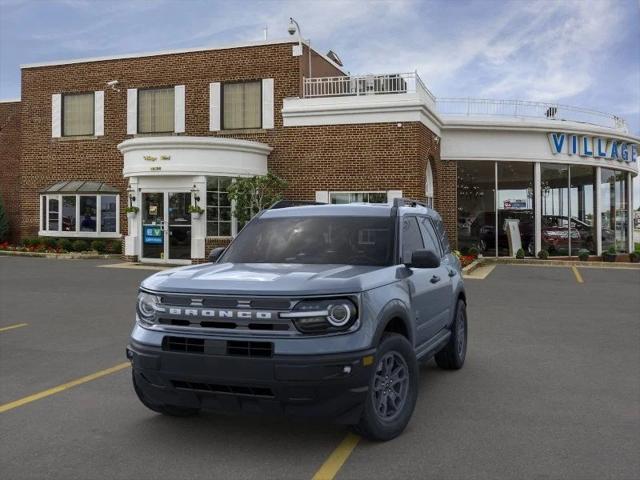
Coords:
pixel 334 57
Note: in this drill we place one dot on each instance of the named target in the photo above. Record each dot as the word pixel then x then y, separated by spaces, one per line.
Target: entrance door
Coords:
pixel 166 227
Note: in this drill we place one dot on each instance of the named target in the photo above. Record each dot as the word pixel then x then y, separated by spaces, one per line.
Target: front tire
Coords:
pixel 452 356
pixel 393 390
pixel 169 410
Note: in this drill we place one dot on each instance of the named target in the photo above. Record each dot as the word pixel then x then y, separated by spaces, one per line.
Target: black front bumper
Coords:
pixel 329 386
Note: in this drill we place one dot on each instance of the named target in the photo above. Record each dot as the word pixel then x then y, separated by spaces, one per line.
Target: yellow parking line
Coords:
pixel 37 396
pixel 11 327
pixel 577 274
pixel 335 461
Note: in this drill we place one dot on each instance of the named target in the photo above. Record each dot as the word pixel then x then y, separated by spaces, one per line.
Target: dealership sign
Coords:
pixel 597 147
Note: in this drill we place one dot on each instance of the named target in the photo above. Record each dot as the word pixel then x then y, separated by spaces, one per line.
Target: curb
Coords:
pixel 559 263
pixel 473 265
pixel 63 256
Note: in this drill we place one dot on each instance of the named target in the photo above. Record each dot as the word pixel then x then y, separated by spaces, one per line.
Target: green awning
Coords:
pixel 80 186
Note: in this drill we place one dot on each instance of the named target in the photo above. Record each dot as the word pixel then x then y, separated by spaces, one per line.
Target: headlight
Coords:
pixel 323 315
pixel 147 306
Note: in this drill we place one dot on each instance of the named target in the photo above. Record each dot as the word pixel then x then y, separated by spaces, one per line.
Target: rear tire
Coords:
pixel 452 356
pixel 169 410
pixel 393 390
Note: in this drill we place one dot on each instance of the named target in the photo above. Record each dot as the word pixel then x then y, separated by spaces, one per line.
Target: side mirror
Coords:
pixel 215 254
pixel 424 259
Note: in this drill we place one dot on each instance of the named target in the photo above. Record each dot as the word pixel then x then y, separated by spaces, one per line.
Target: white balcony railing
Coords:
pixel 356 85
pixel 471 107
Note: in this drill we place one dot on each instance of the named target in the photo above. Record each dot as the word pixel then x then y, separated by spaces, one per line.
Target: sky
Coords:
pixel 576 52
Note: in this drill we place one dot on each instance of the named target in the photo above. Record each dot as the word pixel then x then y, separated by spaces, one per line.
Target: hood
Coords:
pixel 270 279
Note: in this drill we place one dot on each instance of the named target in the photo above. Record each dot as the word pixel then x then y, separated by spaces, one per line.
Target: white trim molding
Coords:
pixel 179 108
pixel 214 107
pixel 181 155
pixel 56 115
pixel 267 103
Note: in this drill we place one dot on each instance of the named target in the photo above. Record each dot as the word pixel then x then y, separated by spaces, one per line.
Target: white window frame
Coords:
pixel 45 232
pixel 429 185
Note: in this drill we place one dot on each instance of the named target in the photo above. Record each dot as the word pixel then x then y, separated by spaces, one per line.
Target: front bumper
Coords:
pixel 329 386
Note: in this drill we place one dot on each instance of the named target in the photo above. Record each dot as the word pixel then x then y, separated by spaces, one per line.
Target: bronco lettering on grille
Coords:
pixel 217 313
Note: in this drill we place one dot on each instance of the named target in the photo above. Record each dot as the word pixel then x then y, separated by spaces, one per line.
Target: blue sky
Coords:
pixel 578 52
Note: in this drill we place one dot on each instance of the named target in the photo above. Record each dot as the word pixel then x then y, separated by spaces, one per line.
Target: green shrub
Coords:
pixel 65 244
pixel 583 254
pixel 114 246
pixel 520 253
pixel 634 257
pixel 473 251
pixel 612 250
pixel 543 254
pixel 27 242
pixel 99 246
pixel 80 246
pixel 50 243
pixel 4 223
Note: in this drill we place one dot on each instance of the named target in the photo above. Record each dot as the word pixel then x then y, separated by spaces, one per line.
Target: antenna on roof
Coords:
pixel 266 32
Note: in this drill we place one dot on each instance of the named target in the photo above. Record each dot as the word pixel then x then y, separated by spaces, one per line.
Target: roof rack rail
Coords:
pixel 408 202
pixel 293 203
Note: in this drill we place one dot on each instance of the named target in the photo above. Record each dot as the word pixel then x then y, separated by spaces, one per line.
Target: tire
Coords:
pixel 169 410
pixel 386 415
pixel 452 356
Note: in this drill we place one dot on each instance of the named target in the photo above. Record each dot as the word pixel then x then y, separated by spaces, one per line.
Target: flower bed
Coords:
pixel 63 245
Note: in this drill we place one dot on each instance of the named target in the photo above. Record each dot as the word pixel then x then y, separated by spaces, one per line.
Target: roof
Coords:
pixel 347 210
pixel 80 186
pixel 174 52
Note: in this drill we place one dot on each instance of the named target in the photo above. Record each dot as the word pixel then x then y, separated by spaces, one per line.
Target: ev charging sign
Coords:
pixel 596 147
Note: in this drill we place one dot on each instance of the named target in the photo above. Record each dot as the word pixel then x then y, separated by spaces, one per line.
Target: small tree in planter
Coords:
pixel 252 194
pixel 543 254
pixel 610 255
pixel 583 254
pixel 634 257
pixel 520 254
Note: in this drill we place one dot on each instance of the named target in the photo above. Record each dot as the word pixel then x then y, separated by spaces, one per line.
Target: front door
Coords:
pixel 166 227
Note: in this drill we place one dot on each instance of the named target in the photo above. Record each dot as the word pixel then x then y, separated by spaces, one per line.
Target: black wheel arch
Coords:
pixel 395 317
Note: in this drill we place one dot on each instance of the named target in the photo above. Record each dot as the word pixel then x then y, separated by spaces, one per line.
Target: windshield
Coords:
pixel 318 240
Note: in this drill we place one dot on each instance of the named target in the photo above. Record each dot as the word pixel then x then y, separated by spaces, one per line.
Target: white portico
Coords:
pixel 166 175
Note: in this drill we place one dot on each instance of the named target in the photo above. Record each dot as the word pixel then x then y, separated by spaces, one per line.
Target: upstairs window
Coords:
pixel 156 110
pixel 78 114
pixel 242 105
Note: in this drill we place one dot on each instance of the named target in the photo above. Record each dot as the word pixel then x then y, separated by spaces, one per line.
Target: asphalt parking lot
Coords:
pixel 551 389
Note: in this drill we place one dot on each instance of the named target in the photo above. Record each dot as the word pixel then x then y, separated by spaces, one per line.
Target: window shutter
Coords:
pixel 132 111
pixel 98 112
pixel 178 111
pixel 391 194
pixel 322 197
pixel 56 115
pixel 214 106
pixel 267 103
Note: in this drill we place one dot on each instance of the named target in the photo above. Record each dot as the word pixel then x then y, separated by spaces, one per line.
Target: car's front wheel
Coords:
pixel 170 410
pixel 393 390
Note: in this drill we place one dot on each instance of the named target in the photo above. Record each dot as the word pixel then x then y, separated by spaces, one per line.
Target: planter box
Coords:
pixel 131 216
pixel 195 216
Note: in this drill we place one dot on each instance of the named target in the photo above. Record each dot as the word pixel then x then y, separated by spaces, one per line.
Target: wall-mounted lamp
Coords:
pixel 132 197
pixel 195 192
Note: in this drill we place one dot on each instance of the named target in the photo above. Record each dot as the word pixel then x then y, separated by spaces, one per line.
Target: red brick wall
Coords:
pixel 340 157
pixel 10 163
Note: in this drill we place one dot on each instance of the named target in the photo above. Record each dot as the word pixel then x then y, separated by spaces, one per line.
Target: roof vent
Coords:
pixel 333 56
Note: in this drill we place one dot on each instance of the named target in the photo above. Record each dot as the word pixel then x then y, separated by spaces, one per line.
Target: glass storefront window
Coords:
pixel 357 197
pixel 218 207
pixel 516 207
pixel 88 214
pixel 582 209
pixel 476 206
pixel 108 213
pixel 554 190
pixel 54 213
pixel 614 210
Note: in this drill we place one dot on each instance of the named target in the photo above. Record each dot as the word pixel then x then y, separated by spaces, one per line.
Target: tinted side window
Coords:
pixel 411 238
pixel 442 234
pixel 429 235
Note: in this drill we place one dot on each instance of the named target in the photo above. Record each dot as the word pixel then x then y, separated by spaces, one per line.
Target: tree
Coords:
pixel 4 223
pixel 252 194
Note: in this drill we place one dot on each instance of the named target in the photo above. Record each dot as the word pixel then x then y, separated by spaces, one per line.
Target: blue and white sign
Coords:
pixel 152 235
pixel 596 147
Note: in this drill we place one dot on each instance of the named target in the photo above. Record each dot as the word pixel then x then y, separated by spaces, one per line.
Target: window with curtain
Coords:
pixel 242 105
pixel 156 110
pixel 77 114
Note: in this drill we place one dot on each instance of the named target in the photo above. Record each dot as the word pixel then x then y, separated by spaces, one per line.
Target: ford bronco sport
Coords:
pixel 314 310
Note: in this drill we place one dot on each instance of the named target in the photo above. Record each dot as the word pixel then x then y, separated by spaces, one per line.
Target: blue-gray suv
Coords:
pixel 312 310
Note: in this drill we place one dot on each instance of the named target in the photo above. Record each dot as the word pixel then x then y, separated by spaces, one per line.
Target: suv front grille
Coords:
pixel 253 391
pixel 217 347
pixel 183 344
pixel 249 349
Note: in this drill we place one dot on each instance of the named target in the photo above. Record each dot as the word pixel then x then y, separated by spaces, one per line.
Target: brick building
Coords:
pixel 162 131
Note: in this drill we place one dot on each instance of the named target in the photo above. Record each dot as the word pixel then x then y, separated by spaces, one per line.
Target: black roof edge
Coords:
pixel 294 203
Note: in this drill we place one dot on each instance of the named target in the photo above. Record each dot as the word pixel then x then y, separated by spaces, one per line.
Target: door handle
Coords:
pixel 435 279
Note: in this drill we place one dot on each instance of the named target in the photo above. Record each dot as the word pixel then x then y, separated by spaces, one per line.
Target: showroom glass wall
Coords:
pixel 491 195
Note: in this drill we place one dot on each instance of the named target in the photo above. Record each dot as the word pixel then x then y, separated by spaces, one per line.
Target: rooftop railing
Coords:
pixel 399 83
pixel 478 107
pixel 356 85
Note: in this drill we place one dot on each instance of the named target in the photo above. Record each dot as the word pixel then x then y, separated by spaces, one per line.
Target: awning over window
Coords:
pixel 80 186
